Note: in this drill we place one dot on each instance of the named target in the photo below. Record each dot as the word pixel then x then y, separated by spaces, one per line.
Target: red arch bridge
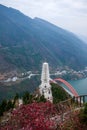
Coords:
pixel 72 90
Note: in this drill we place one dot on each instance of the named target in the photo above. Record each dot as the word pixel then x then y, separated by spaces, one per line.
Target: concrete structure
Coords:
pixel 45 87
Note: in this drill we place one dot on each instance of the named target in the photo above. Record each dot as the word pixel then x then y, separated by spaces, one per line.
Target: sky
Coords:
pixel 68 14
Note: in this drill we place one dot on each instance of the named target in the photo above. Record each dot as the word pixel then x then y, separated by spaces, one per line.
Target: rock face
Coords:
pixel 25 43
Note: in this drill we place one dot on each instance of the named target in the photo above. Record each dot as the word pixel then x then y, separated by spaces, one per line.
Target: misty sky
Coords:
pixel 68 14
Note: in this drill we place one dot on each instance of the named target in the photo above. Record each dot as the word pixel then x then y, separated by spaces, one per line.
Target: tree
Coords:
pixel 42 99
pixel 27 98
pixel 58 93
pixel 4 104
pixel 3 107
pixel 83 115
pixel 1 111
pixel 15 99
pixel 9 105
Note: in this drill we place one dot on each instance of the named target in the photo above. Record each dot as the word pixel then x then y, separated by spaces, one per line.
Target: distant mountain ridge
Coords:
pixel 25 43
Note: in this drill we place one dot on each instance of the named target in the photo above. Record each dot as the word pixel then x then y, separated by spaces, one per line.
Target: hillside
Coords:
pixel 7 90
pixel 30 85
pixel 25 43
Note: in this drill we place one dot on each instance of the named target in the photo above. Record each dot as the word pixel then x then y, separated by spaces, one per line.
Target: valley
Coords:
pixel 30 81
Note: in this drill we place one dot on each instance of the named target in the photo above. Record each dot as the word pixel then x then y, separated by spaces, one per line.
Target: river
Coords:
pixel 79 85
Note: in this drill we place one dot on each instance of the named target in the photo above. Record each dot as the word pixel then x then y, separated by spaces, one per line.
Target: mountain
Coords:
pixel 25 43
pixel 83 37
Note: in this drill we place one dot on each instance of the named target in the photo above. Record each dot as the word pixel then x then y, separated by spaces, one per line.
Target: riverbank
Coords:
pixel 79 85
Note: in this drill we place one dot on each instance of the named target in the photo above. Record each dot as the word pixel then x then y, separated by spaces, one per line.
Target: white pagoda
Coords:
pixel 45 87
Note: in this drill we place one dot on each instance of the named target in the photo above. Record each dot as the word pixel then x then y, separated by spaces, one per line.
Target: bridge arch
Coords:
pixel 73 91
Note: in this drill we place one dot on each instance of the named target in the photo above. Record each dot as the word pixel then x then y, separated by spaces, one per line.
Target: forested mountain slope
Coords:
pixel 25 43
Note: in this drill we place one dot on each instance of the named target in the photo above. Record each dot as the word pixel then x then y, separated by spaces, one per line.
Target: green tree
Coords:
pixel 3 107
pixel 83 115
pixel 1 111
pixel 27 98
pixel 4 104
pixel 42 99
pixel 15 99
pixel 9 105
pixel 58 93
